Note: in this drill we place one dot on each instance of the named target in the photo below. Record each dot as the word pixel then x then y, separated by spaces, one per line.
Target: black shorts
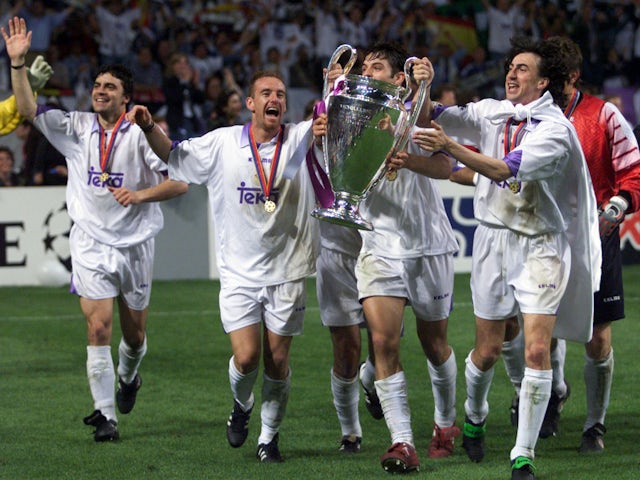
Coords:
pixel 608 304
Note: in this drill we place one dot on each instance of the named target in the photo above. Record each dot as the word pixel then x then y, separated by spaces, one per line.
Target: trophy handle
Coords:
pixel 327 87
pixel 401 141
pixel 334 59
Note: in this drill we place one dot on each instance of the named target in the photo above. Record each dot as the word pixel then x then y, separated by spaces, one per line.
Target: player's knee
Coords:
pixel 537 355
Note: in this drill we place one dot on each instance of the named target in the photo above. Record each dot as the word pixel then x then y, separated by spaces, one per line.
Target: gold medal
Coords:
pixel 391 175
pixel 514 187
pixel 269 206
pixel 104 176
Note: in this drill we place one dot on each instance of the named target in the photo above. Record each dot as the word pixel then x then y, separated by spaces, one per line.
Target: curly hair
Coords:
pixel 550 64
pixel 567 58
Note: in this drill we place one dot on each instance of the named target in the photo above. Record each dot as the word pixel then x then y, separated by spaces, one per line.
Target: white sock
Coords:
pixel 476 405
pixel 368 375
pixel 392 392
pixel 513 358
pixel 102 378
pixel 346 395
pixel 598 376
pixel 129 359
pixel 558 355
pixel 242 386
pixel 275 394
pixel 534 397
pixel 443 386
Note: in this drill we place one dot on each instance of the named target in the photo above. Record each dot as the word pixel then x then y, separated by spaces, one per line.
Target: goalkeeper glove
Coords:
pixel 612 215
pixel 39 73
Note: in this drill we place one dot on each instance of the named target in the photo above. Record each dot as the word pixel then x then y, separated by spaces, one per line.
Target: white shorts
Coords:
pixel 426 282
pixel 280 306
pixel 513 273
pixel 101 271
pixel 337 289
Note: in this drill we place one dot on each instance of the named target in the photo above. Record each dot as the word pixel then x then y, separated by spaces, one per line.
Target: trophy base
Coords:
pixel 342 216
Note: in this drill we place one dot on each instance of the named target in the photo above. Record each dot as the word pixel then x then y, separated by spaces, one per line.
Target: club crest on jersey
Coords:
pixel 255 195
pixel 511 183
pixel 97 179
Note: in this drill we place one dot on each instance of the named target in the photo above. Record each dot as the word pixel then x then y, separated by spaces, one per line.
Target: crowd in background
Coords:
pixel 192 59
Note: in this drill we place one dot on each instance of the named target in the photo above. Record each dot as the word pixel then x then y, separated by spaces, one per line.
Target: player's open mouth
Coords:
pixel 272 111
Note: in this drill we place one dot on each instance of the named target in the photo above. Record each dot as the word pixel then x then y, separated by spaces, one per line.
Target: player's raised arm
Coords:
pixel 18 41
pixel 158 141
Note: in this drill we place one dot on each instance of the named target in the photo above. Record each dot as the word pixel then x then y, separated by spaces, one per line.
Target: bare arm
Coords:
pixel 163 191
pixel 436 166
pixel 158 141
pixel 463 176
pixel 436 139
pixel 18 41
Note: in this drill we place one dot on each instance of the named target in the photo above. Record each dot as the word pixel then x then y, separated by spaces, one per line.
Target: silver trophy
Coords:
pixel 367 122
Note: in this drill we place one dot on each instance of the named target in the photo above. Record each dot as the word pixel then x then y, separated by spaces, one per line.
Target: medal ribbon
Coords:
pixel 266 186
pixel 573 103
pixel 511 141
pixel 105 151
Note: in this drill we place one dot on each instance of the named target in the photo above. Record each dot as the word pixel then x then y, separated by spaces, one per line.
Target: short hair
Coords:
pixel 549 63
pixel 8 151
pixel 394 53
pixel 264 74
pixel 122 73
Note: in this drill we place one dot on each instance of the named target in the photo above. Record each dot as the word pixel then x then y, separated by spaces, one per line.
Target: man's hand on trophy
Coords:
pixel 422 70
pixel 333 73
pixel 319 128
pixel 397 160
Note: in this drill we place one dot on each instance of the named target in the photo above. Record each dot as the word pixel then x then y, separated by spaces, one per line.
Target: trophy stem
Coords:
pixel 344 211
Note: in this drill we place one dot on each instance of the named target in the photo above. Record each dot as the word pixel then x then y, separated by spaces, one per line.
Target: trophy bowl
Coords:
pixel 365 118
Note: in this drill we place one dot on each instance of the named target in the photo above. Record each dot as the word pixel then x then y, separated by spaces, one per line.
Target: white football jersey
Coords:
pixel 133 165
pixel 253 247
pixel 408 217
pixel 540 201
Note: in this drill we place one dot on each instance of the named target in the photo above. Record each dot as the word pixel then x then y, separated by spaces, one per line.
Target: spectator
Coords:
pixel 8 177
pixel 117 31
pixel 228 111
pixel 183 98
pixel 502 25
pixel 148 78
pixel 204 62
pixel 43 22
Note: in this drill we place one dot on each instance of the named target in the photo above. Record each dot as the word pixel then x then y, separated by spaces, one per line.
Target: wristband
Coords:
pixel 148 128
pixel 17 67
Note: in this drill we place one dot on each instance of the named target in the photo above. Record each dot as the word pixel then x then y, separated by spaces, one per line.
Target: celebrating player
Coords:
pixel 113 177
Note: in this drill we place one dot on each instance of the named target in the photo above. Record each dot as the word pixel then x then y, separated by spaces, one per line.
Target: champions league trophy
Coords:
pixel 367 122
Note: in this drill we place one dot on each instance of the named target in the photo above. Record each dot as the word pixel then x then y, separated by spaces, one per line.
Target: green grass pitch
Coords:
pixel 177 429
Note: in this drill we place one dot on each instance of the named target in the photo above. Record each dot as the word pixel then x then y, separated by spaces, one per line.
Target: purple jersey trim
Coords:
pixel 513 160
pixel 438 109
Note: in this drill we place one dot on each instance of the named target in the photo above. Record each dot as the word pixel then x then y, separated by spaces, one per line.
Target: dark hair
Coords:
pixel 6 149
pixel 394 53
pixel 264 74
pixel 223 100
pixel 122 73
pixel 549 63
pixel 568 58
